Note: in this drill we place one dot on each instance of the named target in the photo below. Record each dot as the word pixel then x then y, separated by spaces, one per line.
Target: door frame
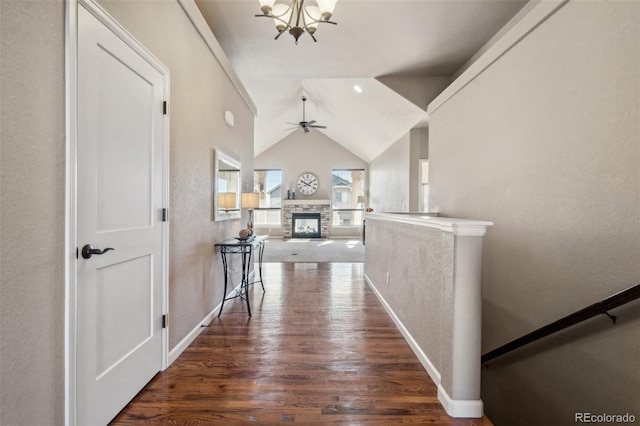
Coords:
pixel 71 144
pixel 422 180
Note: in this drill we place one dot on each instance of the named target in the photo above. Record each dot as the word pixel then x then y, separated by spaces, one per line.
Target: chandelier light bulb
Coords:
pixel 266 6
pixel 326 8
pixel 282 15
pixel 314 15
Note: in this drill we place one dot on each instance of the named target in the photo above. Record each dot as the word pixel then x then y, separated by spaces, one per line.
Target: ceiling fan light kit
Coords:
pixel 295 17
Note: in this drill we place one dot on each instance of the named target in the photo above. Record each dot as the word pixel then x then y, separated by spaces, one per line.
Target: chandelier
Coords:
pixel 295 17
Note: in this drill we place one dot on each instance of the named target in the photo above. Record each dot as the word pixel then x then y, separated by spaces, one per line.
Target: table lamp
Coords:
pixel 250 201
pixel 227 201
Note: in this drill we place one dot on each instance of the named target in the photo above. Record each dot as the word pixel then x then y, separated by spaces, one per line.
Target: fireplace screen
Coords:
pixel 305 225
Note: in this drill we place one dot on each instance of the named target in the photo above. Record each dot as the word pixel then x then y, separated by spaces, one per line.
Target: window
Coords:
pixel 268 183
pixel 348 185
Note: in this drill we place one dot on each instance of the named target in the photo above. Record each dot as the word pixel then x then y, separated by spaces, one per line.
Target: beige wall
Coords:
pixel 418 150
pixel 33 188
pixel 394 174
pixel 32 131
pixel 395 177
pixel 389 177
pixel 312 152
pixel 546 144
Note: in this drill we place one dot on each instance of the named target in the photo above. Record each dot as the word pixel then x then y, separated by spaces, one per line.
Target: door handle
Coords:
pixel 88 251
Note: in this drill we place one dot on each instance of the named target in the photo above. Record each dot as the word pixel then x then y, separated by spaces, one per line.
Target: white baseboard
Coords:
pixel 455 408
pixel 459 407
pixel 422 357
pixel 191 336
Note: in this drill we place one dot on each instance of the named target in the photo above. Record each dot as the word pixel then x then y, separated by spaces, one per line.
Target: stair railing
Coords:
pixel 600 308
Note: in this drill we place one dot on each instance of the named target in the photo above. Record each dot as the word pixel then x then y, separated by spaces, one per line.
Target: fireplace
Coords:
pixel 305 225
pixel 291 207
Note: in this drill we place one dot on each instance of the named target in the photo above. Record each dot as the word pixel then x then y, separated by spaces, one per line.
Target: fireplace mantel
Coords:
pixel 305 206
pixel 303 202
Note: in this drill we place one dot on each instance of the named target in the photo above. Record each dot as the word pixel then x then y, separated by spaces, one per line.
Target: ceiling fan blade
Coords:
pixel 304 124
pixel 290 128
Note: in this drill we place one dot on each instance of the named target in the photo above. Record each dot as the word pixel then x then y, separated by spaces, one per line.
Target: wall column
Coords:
pixel 427 273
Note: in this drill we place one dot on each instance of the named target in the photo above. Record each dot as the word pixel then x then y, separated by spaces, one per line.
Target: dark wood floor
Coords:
pixel 319 349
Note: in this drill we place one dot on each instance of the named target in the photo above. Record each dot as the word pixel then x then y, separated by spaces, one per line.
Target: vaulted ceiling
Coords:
pixel 398 52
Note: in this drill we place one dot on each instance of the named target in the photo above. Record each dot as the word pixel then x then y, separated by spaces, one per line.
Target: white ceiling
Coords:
pixel 373 39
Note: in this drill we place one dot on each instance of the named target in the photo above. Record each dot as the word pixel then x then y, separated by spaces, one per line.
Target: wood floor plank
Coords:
pixel 319 349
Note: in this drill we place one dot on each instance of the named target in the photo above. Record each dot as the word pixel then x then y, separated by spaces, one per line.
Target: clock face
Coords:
pixel 307 184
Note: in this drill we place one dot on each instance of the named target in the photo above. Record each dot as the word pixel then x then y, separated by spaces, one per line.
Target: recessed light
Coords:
pixel 357 88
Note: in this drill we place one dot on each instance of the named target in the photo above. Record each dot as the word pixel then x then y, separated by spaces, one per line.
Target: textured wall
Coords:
pixel 200 94
pixel 32 131
pixel 420 282
pixel 546 144
pixel 390 178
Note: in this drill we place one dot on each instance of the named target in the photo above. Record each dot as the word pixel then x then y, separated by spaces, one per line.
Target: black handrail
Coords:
pixel 598 308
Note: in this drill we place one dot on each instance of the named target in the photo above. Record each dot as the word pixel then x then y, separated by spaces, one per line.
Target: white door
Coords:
pixel 119 205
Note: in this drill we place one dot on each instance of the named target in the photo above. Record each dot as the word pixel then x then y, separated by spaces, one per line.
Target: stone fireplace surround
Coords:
pixel 305 206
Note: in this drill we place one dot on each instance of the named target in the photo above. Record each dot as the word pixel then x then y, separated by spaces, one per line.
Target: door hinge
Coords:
pixel 165 215
pixel 164 321
pixel 164 107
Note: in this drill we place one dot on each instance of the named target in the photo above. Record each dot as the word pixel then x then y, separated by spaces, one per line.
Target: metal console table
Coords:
pixel 245 248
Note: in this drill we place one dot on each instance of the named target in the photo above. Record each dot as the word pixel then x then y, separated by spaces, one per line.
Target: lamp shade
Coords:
pixel 250 200
pixel 313 12
pixel 227 200
pixel 283 12
pixel 361 199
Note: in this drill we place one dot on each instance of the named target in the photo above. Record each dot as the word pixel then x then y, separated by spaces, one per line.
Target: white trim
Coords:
pixel 71 144
pixel 193 334
pixel 459 227
pixel 71 126
pixel 99 13
pixel 460 408
pixel 523 23
pixel 422 357
pixel 197 20
pixel 455 408
pixel 166 187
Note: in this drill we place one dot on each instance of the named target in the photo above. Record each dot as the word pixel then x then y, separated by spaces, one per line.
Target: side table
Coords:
pixel 245 248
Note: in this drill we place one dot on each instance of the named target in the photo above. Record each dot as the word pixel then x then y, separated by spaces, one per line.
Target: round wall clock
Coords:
pixel 307 184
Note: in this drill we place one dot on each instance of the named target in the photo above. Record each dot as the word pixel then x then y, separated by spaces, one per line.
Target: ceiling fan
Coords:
pixel 305 125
